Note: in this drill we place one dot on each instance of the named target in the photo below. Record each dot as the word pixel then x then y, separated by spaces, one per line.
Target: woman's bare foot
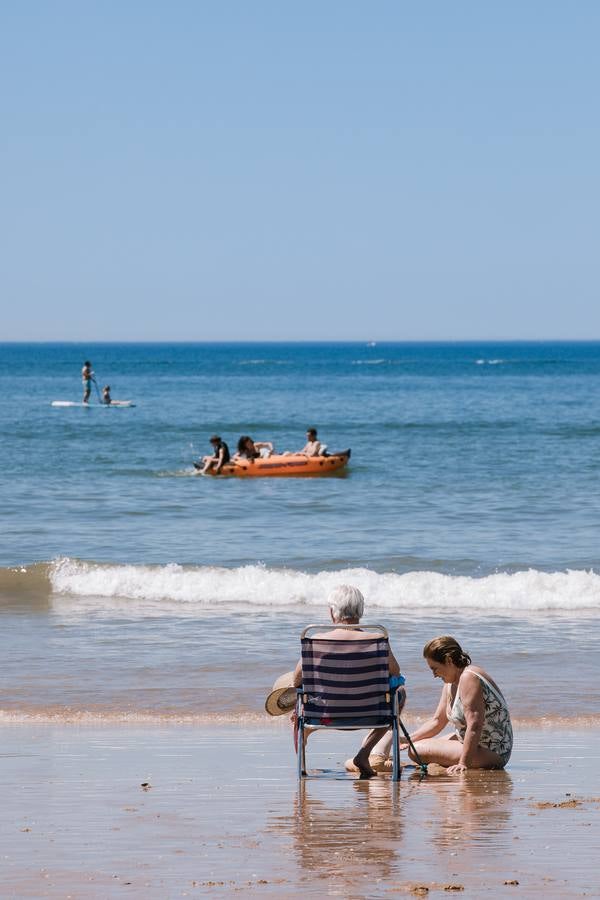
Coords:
pixel 361 761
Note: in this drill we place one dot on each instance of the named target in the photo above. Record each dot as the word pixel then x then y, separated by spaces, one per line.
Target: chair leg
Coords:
pixel 395 751
pixel 301 750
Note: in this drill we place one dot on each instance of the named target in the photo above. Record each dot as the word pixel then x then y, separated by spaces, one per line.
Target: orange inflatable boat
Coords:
pixel 277 464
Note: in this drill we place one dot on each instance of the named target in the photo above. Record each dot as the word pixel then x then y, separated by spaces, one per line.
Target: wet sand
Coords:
pixel 184 811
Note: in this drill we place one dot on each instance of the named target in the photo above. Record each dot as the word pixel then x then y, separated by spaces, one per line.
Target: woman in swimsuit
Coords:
pixel 249 449
pixel 473 703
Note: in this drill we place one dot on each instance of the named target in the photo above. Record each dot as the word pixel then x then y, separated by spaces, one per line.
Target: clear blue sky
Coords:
pixel 318 170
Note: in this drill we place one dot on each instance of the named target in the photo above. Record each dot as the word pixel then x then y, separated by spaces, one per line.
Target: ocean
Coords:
pixel 132 589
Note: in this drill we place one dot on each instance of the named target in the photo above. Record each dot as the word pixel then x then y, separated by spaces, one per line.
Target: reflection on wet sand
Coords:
pixel 77 813
pixel 347 832
pixel 471 809
pixel 365 831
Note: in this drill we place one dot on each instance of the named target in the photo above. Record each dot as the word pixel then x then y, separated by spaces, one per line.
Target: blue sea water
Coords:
pixel 467 457
pixel 470 504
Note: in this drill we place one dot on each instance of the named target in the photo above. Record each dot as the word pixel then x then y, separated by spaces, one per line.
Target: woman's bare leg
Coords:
pixel 447 751
pixel 384 746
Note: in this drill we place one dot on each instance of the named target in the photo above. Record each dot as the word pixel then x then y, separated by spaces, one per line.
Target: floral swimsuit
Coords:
pixel 496 734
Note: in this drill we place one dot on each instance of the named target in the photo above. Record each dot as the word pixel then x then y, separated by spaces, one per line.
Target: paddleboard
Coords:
pixel 95 405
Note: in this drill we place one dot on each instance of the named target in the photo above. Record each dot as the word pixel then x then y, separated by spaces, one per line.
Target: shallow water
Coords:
pixel 94 660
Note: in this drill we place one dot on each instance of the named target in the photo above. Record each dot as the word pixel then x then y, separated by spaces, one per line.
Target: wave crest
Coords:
pixel 173 585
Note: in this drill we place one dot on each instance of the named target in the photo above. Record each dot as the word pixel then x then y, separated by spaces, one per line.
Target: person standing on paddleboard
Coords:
pixel 87 376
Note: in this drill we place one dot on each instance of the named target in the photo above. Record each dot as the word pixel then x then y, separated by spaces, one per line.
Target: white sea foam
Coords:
pixel 368 362
pixel 171 587
pixel 264 362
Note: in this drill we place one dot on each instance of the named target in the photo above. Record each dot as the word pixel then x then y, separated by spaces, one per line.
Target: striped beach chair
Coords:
pixel 346 685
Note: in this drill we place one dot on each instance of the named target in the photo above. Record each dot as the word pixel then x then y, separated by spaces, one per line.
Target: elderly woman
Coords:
pixel 346 607
pixel 472 702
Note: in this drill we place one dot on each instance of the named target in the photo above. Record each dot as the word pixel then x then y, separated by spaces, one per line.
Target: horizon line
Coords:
pixel 361 342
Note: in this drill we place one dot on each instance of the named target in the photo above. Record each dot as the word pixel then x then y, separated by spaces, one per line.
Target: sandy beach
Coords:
pixel 181 811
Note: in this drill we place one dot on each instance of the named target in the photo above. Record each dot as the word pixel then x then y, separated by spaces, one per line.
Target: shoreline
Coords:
pixel 253 720
pixel 177 811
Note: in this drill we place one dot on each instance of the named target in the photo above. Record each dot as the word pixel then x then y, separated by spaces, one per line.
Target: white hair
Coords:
pixel 346 602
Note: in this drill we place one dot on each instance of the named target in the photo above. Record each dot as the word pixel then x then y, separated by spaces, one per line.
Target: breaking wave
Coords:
pixel 172 587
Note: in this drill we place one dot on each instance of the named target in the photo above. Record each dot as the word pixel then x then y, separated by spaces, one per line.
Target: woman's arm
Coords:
pixel 436 723
pixel 471 697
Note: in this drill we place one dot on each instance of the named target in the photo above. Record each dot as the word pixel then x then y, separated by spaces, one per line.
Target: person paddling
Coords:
pixel 87 376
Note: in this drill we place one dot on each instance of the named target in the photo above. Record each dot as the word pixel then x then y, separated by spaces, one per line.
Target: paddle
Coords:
pixel 100 400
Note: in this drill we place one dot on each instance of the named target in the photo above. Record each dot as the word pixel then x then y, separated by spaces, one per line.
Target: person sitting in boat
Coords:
pixel 219 458
pixel 313 446
pixel 249 449
pixel 106 395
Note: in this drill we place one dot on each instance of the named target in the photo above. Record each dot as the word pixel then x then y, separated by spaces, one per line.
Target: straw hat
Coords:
pixel 282 698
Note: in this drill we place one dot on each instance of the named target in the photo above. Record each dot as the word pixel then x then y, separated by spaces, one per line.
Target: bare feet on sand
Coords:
pixel 361 761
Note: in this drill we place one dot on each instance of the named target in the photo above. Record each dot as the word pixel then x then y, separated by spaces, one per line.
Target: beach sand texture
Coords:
pixel 185 811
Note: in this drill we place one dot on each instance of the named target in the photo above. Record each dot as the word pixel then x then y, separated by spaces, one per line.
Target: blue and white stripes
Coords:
pixel 345 679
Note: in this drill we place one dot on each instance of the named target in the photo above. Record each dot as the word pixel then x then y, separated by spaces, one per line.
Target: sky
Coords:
pixel 272 170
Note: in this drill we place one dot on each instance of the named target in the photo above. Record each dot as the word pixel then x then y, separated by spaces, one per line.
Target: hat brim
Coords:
pixel 281 701
pixel 282 698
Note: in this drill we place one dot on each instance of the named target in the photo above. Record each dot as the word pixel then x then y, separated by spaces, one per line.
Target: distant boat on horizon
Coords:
pixel 371 343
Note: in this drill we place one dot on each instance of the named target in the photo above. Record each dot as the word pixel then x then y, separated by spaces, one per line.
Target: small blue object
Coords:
pixel 397 681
